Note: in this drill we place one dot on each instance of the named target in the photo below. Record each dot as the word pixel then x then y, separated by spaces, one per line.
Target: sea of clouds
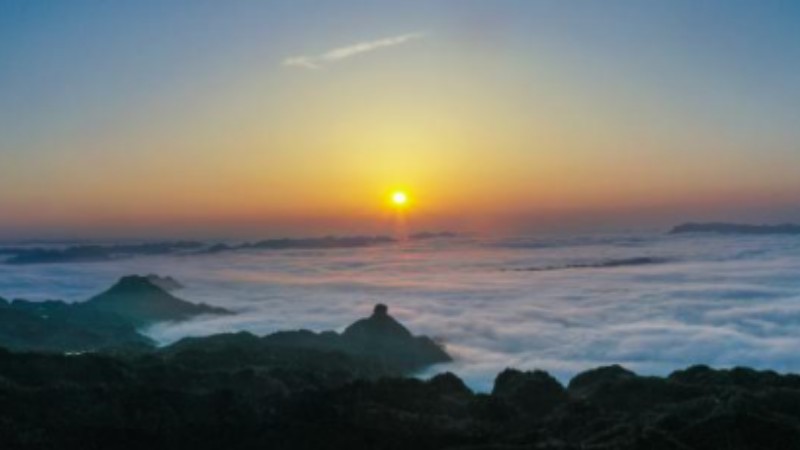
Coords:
pixel 716 300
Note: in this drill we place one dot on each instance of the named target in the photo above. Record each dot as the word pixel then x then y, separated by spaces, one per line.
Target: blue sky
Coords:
pixel 699 98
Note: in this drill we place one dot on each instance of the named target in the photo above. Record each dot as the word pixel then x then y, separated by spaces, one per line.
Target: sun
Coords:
pixel 399 198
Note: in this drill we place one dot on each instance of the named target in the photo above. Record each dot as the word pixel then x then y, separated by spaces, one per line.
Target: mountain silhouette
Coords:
pixel 378 341
pixel 382 337
pixel 56 326
pixel 735 228
pixel 142 302
pixel 167 283
pixel 378 326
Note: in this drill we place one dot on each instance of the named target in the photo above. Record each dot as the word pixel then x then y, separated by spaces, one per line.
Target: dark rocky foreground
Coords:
pixel 283 399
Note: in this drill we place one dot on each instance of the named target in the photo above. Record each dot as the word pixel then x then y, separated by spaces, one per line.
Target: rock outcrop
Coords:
pixel 381 336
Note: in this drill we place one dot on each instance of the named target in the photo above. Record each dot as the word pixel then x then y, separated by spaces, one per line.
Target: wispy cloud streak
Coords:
pixel 338 54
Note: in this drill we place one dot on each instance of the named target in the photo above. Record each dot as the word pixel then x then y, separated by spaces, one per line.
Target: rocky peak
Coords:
pixel 379 325
pixel 134 284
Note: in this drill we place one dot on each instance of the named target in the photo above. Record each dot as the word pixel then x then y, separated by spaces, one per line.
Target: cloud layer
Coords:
pixel 721 301
pixel 341 53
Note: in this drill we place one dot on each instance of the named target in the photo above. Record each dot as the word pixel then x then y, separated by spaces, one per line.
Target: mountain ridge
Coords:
pixel 735 228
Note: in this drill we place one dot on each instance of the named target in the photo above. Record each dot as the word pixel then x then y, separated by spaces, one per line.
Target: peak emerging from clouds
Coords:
pixel 341 53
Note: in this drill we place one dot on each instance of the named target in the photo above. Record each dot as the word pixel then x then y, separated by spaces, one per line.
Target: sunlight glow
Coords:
pixel 399 198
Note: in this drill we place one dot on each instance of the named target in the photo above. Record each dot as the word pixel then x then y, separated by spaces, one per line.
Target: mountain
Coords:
pixel 93 253
pixel 141 301
pixel 379 327
pixel 109 321
pixel 735 228
pixel 381 336
pixel 375 345
pixel 167 283
pixel 433 235
pixel 316 243
pixel 55 326
pixel 83 253
pixel 606 264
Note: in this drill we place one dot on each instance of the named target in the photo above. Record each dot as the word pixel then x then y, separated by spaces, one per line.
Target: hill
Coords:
pixel 142 301
pixel 108 321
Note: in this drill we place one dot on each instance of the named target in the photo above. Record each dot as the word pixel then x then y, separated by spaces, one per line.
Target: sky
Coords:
pixel 244 118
